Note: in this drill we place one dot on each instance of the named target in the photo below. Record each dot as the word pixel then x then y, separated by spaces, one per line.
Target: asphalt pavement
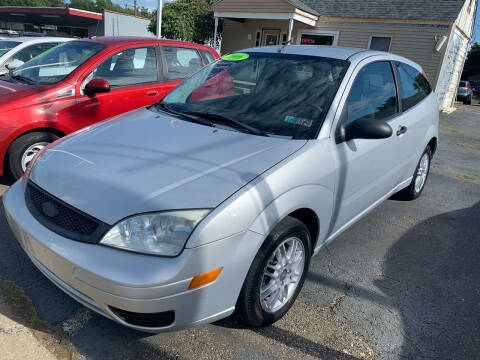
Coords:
pixel 401 283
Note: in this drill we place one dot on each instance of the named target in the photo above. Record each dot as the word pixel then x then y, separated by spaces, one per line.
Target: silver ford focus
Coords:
pixel 214 200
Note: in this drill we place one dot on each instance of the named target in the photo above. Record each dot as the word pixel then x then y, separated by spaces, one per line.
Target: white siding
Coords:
pixel 455 55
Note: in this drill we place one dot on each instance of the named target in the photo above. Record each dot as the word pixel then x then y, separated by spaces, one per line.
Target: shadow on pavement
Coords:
pixel 432 277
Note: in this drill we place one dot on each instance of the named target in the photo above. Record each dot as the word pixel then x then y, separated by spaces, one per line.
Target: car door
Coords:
pixel 367 170
pixel 134 82
pixel 416 116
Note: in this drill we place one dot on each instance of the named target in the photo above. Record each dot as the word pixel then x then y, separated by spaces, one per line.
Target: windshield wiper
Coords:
pixel 225 119
pixel 23 79
pixel 187 116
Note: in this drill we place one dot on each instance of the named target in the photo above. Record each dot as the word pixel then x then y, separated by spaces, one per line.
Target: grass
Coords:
pixel 15 295
pixel 465 177
pixel 468 146
pixel 454 131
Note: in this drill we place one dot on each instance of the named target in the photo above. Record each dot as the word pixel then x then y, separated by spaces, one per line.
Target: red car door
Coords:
pixel 135 81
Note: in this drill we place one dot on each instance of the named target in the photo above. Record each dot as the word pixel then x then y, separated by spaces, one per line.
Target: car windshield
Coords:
pixel 463 84
pixel 7 46
pixel 57 63
pixel 271 93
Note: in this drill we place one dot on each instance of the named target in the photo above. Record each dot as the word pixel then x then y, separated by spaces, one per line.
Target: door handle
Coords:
pixel 152 93
pixel 401 130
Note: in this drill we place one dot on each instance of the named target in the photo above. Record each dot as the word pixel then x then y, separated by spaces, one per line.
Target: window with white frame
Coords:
pixel 258 38
pixel 380 43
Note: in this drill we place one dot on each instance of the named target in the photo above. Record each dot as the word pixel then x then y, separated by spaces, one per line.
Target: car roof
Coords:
pixel 116 40
pixel 334 52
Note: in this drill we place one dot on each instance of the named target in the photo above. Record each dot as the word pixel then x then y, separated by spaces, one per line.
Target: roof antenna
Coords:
pixel 280 51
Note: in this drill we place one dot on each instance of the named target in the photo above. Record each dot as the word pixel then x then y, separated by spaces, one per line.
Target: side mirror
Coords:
pixel 367 128
pixel 12 65
pixel 97 86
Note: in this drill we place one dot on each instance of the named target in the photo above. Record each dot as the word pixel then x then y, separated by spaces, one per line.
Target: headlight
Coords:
pixel 162 233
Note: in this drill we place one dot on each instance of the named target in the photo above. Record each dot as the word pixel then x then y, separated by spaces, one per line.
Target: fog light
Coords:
pixel 205 278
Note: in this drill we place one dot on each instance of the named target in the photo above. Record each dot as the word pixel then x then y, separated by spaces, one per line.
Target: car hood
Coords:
pixel 145 161
pixel 462 90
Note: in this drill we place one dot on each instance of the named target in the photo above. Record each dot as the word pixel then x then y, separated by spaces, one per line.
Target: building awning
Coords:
pixel 297 15
pixel 49 16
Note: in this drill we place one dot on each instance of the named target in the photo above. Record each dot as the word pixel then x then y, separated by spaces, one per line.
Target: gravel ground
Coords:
pixel 401 283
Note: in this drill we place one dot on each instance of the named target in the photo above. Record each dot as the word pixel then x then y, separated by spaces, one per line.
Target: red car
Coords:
pixel 81 82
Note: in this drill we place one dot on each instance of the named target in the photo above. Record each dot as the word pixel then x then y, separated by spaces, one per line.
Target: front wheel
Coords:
pixel 24 149
pixel 276 275
pixel 414 190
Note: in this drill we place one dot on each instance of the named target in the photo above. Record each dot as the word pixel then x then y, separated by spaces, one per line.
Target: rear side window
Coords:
pixel 129 67
pixel 181 62
pixel 413 85
pixel 208 55
pixel 373 94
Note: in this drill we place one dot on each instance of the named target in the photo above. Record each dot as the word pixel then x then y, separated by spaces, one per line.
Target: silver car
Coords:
pixel 214 200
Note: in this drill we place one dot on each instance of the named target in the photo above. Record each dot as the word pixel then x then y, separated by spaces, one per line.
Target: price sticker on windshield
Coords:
pixel 236 57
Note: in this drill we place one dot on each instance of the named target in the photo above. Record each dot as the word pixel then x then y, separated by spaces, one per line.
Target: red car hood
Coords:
pixel 15 95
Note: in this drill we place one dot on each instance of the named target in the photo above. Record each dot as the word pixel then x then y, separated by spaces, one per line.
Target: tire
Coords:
pixel 32 143
pixel 412 191
pixel 469 101
pixel 250 309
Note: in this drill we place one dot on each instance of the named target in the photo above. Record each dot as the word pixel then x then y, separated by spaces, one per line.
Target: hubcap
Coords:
pixel 422 173
pixel 282 274
pixel 30 153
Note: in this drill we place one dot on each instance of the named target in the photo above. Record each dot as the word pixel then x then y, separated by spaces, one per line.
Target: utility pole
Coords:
pixel 135 8
pixel 159 19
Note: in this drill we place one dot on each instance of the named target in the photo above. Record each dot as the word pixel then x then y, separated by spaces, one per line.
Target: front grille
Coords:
pixel 61 217
pixel 150 320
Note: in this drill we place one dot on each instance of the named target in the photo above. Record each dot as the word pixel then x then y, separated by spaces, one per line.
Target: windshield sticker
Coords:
pixel 236 57
pixel 298 121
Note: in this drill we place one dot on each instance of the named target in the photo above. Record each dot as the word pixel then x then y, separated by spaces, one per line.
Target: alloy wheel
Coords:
pixel 282 274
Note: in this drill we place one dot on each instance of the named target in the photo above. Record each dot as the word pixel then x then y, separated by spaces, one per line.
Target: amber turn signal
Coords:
pixel 205 278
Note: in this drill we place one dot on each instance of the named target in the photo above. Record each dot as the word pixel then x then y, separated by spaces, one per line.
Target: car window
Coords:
pixel 373 94
pixel 6 46
pixel 59 62
pixel 413 85
pixel 32 51
pixel 129 67
pixel 281 94
pixel 208 55
pixel 181 62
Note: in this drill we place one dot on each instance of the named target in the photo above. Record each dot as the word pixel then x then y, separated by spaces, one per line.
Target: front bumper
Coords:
pixel 101 277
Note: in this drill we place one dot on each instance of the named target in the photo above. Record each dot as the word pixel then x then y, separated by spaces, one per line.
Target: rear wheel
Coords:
pixel 276 275
pixel 24 149
pixel 415 189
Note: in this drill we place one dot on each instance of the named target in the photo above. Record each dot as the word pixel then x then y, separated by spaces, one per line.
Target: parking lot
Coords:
pixel 401 283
